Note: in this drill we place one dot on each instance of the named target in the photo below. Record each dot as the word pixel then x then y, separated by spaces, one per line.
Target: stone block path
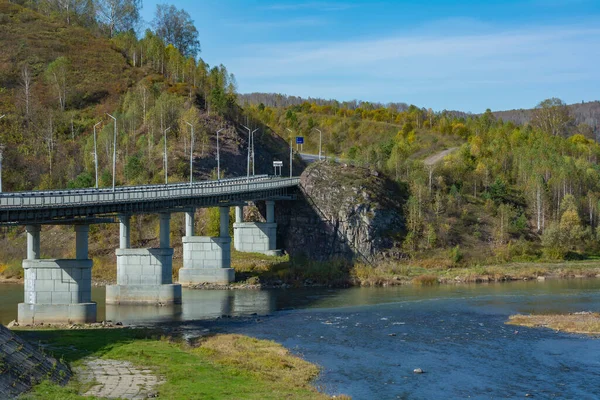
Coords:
pixel 118 379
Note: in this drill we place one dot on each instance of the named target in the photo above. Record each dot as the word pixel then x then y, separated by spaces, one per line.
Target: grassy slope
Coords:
pixel 30 38
pixel 216 367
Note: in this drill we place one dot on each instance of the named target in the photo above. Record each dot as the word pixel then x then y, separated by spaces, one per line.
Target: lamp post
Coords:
pixel 248 159
pixel 219 156
pixel 1 157
pixel 96 154
pixel 191 154
pixel 165 164
pixel 320 141
pixel 253 160
pixel 114 152
pixel 291 149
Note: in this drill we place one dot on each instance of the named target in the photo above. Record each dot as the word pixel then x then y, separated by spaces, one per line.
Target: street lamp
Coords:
pixel 1 157
pixel 191 154
pixel 291 160
pixel 219 156
pixel 165 164
pixel 253 159
pixel 96 153
pixel 320 141
pixel 248 159
pixel 114 152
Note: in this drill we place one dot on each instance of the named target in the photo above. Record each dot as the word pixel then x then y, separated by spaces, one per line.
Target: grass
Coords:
pixel 586 323
pixel 215 367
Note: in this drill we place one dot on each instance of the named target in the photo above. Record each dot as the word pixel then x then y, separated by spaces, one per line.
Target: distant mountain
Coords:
pixel 584 113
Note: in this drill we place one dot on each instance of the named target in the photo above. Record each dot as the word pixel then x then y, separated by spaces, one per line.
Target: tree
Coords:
pixel 176 27
pixel 552 117
pixel 56 75
pixel 26 86
pixel 118 15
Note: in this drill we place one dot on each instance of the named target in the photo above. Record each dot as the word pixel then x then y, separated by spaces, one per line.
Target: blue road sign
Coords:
pixel 299 139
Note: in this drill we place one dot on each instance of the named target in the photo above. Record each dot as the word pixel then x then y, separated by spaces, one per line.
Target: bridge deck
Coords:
pixel 66 205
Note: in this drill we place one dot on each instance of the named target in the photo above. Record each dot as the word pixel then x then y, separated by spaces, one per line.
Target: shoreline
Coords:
pixel 386 276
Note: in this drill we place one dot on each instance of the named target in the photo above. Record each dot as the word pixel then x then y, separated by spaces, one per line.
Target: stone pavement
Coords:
pixel 118 379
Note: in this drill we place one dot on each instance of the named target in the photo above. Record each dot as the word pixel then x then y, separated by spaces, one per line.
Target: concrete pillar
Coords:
pixel 224 221
pixel 270 211
pixel 81 241
pixel 189 222
pixel 208 259
pixel 33 241
pixel 125 231
pixel 165 230
pixel 239 214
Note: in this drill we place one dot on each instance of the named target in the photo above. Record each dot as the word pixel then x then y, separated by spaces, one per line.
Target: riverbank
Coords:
pixel 256 272
pixel 211 366
pixel 584 322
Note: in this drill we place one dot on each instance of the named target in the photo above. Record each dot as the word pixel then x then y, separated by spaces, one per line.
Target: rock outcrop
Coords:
pixel 22 365
pixel 342 212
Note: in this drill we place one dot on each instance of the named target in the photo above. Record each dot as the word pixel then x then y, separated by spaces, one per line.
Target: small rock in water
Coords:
pixel 418 371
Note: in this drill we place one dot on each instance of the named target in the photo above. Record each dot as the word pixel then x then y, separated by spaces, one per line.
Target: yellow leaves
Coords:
pixel 579 139
pixel 411 137
pixel 570 220
pixel 476 146
pixel 458 128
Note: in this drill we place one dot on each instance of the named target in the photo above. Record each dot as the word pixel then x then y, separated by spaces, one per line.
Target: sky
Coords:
pixel 454 55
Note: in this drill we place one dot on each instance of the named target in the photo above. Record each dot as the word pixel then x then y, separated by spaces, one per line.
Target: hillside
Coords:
pixel 482 189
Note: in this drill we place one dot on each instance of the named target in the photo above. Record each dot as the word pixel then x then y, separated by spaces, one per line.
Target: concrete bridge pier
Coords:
pixel 207 259
pixel 256 237
pixel 57 291
pixel 144 276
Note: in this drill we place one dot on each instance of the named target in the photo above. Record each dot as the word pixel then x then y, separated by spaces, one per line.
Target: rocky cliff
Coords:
pixel 342 212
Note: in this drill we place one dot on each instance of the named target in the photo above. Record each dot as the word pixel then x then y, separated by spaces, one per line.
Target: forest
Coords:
pixel 508 191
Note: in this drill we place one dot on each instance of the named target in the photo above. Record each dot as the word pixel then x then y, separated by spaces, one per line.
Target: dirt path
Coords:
pixel 435 158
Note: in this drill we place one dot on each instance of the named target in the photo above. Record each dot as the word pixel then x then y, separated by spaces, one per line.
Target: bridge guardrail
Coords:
pixel 29 200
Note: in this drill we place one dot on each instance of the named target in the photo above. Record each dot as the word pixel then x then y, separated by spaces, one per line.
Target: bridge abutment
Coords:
pixel 256 237
pixel 57 291
pixel 207 259
pixel 144 276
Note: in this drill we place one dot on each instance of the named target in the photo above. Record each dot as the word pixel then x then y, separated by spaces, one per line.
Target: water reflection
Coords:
pixel 197 304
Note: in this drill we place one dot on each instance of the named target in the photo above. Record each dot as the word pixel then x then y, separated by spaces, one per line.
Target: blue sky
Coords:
pixel 456 55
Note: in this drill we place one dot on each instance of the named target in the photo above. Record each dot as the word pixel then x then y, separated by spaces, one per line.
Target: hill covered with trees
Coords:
pixel 505 192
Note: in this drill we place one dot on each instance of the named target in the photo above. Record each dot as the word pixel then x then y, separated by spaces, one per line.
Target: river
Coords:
pixel 369 340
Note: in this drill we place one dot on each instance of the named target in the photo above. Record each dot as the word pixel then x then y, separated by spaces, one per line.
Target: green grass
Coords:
pixel 217 367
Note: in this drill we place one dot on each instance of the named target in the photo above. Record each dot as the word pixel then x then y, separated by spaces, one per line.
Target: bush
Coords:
pixel 456 255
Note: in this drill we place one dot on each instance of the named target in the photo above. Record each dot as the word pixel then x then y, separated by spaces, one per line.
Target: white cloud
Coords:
pixel 547 55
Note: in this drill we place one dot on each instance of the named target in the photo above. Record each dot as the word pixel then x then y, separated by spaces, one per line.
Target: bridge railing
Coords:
pixel 84 197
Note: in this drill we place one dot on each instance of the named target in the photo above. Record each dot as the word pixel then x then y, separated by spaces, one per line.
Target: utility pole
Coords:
pixel 191 154
pixel 166 164
pixel 219 156
pixel 114 152
pixel 320 141
pixel 96 153
pixel 291 149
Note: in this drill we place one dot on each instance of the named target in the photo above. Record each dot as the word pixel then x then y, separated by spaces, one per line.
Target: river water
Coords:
pixel 369 340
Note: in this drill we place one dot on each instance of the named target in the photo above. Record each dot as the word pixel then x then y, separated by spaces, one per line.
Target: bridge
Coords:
pixel 59 290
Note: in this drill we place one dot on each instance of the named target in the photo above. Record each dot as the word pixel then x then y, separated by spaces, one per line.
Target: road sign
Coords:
pixel 278 163
pixel 299 139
